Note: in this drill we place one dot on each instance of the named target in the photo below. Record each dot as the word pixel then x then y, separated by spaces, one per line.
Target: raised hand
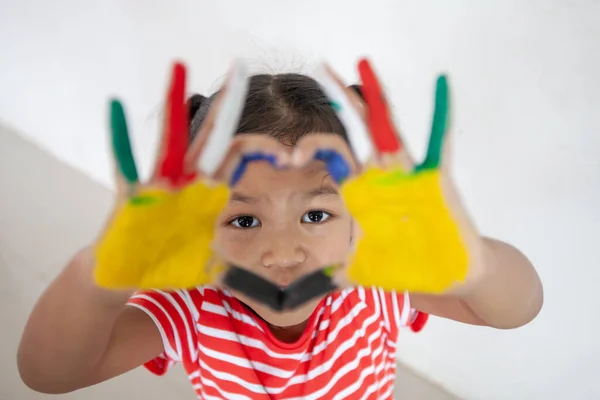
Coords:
pixel 415 234
pixel 161 231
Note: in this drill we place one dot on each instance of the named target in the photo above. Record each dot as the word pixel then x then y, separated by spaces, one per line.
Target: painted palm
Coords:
pixel 161 232
pixel 410 239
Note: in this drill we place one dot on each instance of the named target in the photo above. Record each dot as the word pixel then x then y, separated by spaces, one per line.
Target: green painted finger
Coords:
pixel 439 126
pixel 121 143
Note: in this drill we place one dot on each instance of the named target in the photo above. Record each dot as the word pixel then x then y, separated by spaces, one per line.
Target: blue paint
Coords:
pixel 248 158
pixel 337 166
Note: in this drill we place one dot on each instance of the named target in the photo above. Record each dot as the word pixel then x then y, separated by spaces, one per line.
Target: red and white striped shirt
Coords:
pixel 348 350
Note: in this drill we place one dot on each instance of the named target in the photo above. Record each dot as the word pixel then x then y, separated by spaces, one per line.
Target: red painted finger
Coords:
pixel 380 124
pixel 176 138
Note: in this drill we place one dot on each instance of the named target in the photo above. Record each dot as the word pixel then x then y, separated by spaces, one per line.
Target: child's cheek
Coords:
pixel 233 246
pixel 333 244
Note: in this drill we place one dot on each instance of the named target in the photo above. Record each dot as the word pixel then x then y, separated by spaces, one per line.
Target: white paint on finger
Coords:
pixel 360 140
pixel 226 120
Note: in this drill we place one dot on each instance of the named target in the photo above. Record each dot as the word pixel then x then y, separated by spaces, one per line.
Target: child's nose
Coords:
pixel 283 252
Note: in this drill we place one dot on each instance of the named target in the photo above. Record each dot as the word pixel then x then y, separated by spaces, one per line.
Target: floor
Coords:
pixel 47 211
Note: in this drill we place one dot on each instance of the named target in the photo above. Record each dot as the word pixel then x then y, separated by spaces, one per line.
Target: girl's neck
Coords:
pixel 285 334
pixel 288 334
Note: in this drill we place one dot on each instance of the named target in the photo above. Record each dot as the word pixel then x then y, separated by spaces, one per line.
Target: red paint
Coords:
pixel 419 322
pixel 176 140
pixel 380 125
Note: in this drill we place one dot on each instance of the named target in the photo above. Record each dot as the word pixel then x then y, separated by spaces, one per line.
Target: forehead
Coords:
pixel 261 177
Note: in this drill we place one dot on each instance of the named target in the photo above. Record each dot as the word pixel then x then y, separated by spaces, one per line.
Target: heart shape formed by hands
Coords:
pixel 161 233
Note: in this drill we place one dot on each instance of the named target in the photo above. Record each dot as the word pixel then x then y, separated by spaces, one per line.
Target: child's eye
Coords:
pixel 245 222
pixel 315 216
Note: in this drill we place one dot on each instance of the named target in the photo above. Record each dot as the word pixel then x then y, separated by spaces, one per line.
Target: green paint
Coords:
pixel 336 106
pixel 439 125
pixel 121 143
pixel 328 271
pixel 143 200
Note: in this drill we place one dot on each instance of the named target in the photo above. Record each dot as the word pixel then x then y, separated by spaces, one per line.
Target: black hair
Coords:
pixel 285 106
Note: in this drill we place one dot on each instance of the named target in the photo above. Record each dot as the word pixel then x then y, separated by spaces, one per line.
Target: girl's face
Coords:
pixel 282 225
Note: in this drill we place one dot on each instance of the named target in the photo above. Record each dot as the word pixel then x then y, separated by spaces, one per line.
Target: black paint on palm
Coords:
pixel 301 291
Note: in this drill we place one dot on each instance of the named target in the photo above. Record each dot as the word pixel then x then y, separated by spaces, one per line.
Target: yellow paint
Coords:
pixel 162 244
pixel 410 241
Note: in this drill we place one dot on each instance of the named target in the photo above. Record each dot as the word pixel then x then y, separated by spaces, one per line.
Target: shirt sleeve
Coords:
pixel 175 315
pixel 397 312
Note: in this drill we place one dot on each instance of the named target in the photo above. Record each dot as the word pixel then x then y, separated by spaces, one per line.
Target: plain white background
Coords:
pixel 526 124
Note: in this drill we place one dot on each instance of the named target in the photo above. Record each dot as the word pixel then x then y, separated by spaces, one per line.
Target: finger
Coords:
pixel 337 166
pixel 439 126
pixel 249 148
pixel 351 93
pixel 380 125
pixel 328 148
pixel 247 158
pixel 202 133
pixel 347 112
pixel 174 142
pixel 121 144
pixel 214 138
pixel 384 134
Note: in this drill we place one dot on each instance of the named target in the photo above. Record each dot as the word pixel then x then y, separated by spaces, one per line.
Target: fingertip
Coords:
pixel 442 80
pixel 362 61
pixel 178 80
pixel 337 166
pixel 238 71
pixel 358 136
pixel 368 76
pixel 176 97
pixel 179 72
pixel 247 158
pixel 298 158
pixel 282 160
pixel 442 104
pixel 118 121
pixel 115 105
pixel 442 89
pixel 364 66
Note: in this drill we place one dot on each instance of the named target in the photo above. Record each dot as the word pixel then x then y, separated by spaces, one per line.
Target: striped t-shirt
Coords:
pixel 348 350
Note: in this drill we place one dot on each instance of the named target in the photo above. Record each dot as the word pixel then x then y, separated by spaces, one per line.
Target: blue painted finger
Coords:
pixel 337 166
pixel 248 158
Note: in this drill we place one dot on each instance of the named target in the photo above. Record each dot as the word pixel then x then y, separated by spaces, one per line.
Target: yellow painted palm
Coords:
pixel 413 236
pixel 161 232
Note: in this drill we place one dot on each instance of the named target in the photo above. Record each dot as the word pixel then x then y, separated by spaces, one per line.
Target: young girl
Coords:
pixel 280 223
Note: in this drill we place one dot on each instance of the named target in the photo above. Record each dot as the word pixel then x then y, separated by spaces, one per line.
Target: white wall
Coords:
pixel 527 99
